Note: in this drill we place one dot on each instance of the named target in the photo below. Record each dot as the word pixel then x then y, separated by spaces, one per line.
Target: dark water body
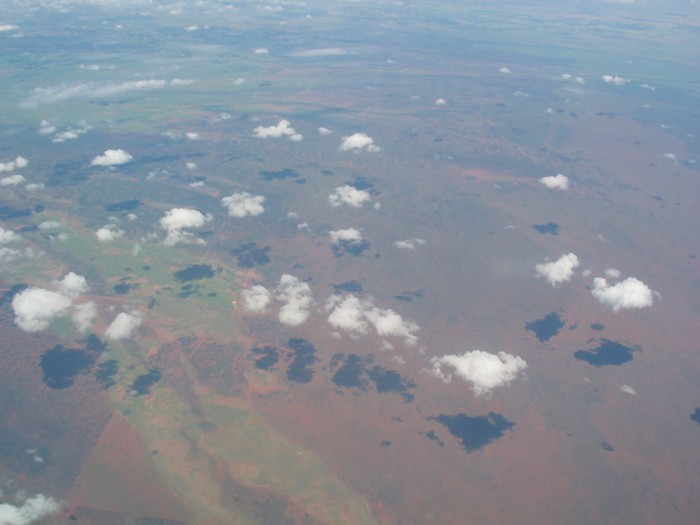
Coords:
pixel 408 297
pixel 286 173
pixel 695 416
pixel 143 383
pixel 358 372
pixel 269 357
pixel 547 327
pixel 250 255
pixel 194 273
pixel 606 446
pixel 356 249
pixel 475 432
pixel 597 327
pixel 129 205
pixel 348 286
pixel 607 353
pixel 61 365
pixel 300 370
pixel 551 228
pixel 106 371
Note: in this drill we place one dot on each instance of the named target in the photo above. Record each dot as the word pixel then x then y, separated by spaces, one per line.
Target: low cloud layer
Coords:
pixel 357 316
pixel 243 204
pixel 296 299
pixel 63 92
pixel 124 325
pixel 348 195
pixel 409 244
pixel 112 157
pixel 281 129
pixel 615 80
pixel 30 510
pixel 358 141
pixel 484 371
pixel 559 271
pixel 18 163
pixel 256 298
pixel 177 221
pixel 556 182
pixel 347 235
pixel 109 233
pixel 628 294
pixel 323 52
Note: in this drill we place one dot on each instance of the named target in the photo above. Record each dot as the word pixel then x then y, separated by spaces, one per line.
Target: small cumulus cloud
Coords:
pixel 63 92
pixel 112 157
pixel 324 131
pixel 84 316
pixel 322 52
pixel 359 141
pixel 440 102
pixel 504 70
pixel 18 163
pixel 109 233
pixel 261 51
pixel 485 371
pixel 192 135
pixel 559 271
pixel 182 81
pixel 7 27
pixel 628 390
pixel 281 129
pixel 348 195
pixel 256 298
pixel 628 294
pixel 615 80
pixel 347 235
pixel 177 220
pixel 7 236
pixel 296 299
pixel 30 510
pixel 409 244
pixel 556 182
pixel 12 180
pixel 243 204
pixel 357 316
pixel 124 325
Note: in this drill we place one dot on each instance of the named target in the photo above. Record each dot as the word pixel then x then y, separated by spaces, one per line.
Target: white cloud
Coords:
pixel 109 233
pixel 504 70
pixel 177 220
pixel 628 390
pixel 566 76
pixel 579 80
pixel 192 135
pixel 18 163
pixel 630 293
pixel 483 370
pixel 409 244
pixel 112 157
pixel 281 129
pixel 7 27
pixel 33 186
pixel 21 162
pixel 612 273
pixel 324 131
pixel 12 180
pixel 46 128
pixel 63 92
pixel 35 308
pixel 72 285
pixel 196 184
pixel 349 235
pixel 356 316
pixel 617 81
pixel 256 298
pixel 191 165
pixel 84 315
pixel 358 141
pixel 7 236
pixel 349 195
pixel 261 51
pixel 323 52
pixel 440 102
pixel 243 204
pixel 181 81
pixel 49 225
pixel 32 509
pixel 556 182
pixel 559 271
pixel 296 298
pixel 124 325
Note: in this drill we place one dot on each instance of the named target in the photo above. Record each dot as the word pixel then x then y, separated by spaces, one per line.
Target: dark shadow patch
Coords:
pixel 348 286
pixel 362 183
pixel 475 432
pixel 549 228
pixel 8 213
pixel 606 446
pixel 607 353
pixel 408 297
pixel 106 371
pixel 9 295
pixel 125 288
pixel 357 372
pixel 61 366
pixel 432 436
pixel 300 370
pixel 354 248
pixel 67 174
pixel 95 344
pixel 286 173
pixel 597 327
pixel 385 443
pixel 695 416
pixel 269 356
pixel 249 255
pixel 352 373
pixel 386 380
pixel 194 273
pixel 143 383
pixel 546 328
pixel 129 205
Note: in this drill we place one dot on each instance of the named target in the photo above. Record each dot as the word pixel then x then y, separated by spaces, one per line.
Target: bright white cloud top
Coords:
pixel 559 271
pixel 359 141
pixel 296 299
pixel 615 80
pixel 243 204
pixel 62 92
pixel 7 236
pixel 12 180
pixel 349 235
pixel 281 129
pixel 18 163
pixel 322 52
pixel 29 511
pixel 556 182
pixel 483 370
pixel 348 195
pixel 109 233
pixel 84 315
pixel 112 157
pixel 409 244
pixel 628 294
pixel 357 316
pixel 124 325
pixel 256 298
pixel 177 220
